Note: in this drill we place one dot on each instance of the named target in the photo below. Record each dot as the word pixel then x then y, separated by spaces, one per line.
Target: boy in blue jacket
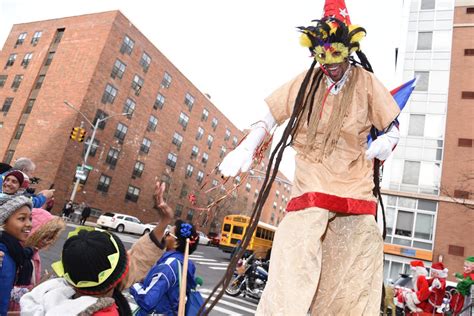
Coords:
pixel 159 292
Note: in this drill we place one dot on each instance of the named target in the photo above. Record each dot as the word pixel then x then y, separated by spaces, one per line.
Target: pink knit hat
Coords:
pixel 40 217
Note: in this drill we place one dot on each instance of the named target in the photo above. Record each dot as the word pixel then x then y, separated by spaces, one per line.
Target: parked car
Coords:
pixel 203 240
pixel 123 223
pixel 214 239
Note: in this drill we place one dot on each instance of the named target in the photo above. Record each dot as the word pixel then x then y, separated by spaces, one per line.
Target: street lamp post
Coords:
pixel 91 142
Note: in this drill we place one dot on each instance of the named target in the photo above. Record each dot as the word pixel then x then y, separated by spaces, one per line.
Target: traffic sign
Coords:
pixel 81 175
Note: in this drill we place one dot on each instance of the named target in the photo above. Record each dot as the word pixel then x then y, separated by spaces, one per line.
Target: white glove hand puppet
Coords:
pixel 435 285
pixel 240 159
pixel 381 148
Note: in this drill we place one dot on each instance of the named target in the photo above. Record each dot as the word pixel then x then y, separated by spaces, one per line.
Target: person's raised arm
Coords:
pixel 165 212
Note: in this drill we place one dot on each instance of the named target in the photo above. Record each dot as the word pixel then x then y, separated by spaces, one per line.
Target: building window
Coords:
pixel 277 193
pixel 19 131
pixel 138 169
pixel 183 120
pixel 104 183
pixel 159 101
pixel 9 156
pixel 210 139
pixel 204 115
pixel 205 158
pixel 7 104
pixel 416 126
pixel 39 82
pixel 469 52
pixel 178 211
pixel 177 140
pixel 189 216
pixel 411 172
pixel 427 4
pixel 11 60
pixel 26 59
pixel 425 39
pixel 194 151
pixel 132 193
pixel 200 133
pixel 49 60
pixel 470 10
pixel 94 146
pixel 121 132
pixel 189 171
pixel 3 79
pixel 145 62
pixel 129 107
pixel 184 191
pixel 118 69
pixel 248 187
pixel 58 36
pixel 100 115
pixel 456 250
pixel 166 81
pixel 29 106
pixel 21 39
pixel 255 194
pixel 145 146
pixel 467 95
pixel 189 101
pixel 112 157
pixel 137 84
pixel 227 134
pixel 17 81
pixel 222 152
pixel 200 176
pixel 214 123
pixel 127 45
pixel 464 142
pixel 171 161
pixel 152 123
pixel 423 78
pixel 36 37
pixel 109 95
pixel 234 141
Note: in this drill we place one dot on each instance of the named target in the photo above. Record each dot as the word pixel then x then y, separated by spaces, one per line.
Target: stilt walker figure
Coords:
pixel 327 255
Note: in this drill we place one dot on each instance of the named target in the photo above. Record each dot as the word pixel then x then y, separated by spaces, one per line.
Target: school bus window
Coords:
pixel 238 230
pixel 265 234
pixel 259 232
pixel 227 227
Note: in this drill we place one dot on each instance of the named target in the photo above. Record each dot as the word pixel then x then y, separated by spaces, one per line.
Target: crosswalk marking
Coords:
pixel 237 299
pixel 195 256
pixel 245 309
pixel 214 263
pixel 218 268
pixel 202 259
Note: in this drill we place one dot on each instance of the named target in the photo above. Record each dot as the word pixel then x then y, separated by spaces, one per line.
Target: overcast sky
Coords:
pixel 236 51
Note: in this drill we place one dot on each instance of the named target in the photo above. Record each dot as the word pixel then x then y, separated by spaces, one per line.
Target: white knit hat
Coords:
pixel 9 204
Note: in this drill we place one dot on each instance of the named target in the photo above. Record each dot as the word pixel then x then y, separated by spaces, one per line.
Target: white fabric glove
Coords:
pixel 435 285
pixel 381 148
pixel 241 158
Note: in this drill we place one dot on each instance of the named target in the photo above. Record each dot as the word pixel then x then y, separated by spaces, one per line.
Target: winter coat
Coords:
pixel 56 297
pixel 159 292
pixel 7 279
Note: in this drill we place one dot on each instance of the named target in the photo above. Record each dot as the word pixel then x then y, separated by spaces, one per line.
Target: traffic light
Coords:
pixel 74 133
pixel 82 135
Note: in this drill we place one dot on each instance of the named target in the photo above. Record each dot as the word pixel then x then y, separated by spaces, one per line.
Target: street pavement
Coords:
pixel 210 262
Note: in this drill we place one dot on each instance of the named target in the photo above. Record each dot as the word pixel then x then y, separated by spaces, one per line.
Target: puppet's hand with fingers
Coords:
pixel 241 158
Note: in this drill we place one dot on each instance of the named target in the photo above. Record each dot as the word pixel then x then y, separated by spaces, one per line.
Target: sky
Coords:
pixel 238 52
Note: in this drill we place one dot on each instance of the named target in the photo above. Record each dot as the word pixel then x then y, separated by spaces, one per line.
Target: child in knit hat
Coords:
pixel 16 268
pixel 44 232
pixel 93 263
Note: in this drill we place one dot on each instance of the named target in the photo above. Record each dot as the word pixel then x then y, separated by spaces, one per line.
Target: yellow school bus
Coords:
pixel 234 228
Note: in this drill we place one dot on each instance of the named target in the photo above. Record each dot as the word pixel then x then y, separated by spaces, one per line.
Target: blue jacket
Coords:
pixel 7 279
pixel 159 292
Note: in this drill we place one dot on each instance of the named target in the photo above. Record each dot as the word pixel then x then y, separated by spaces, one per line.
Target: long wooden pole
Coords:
pixel 182 290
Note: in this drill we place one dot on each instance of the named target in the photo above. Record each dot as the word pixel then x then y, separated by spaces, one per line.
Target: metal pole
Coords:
pixel 76 185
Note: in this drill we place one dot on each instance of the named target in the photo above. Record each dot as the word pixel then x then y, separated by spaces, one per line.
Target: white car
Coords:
pixel 123 223
pixel 203 239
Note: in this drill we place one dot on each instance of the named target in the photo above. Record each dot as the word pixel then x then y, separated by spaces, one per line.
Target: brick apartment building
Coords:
pixel 428 182
pixel 455 224
pixel 104 66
